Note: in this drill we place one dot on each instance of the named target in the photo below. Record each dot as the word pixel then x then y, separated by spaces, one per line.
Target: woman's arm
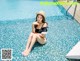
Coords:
pixel 44 30
pixel 33 26
pixel 33 29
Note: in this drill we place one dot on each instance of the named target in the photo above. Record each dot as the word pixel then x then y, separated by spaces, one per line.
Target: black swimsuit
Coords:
pixel 43 29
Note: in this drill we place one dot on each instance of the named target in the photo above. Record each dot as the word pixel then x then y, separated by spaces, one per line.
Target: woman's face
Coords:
pixel 39 18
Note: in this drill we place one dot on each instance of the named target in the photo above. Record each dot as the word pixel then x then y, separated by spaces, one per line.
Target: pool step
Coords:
pixel 74 53
pixel 71 11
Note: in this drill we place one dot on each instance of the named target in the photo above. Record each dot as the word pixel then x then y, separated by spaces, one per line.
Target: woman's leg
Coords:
pixel 38 38
pixel 41 40
pixel 29 41
pixel 31 45
pixel 28 44
pixel 32 42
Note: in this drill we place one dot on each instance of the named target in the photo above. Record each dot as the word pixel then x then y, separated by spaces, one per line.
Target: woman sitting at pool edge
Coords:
pixel 39 31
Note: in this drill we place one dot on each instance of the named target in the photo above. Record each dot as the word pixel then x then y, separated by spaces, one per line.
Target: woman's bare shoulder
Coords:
pixel 45 24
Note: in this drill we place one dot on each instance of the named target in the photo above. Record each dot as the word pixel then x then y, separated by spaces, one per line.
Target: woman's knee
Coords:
pixel 41 41
pixel 33 34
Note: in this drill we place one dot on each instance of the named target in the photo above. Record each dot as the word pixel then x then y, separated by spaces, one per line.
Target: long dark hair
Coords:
pixel 43 20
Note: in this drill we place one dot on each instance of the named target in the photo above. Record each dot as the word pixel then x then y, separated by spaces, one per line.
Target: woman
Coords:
pixel 39 30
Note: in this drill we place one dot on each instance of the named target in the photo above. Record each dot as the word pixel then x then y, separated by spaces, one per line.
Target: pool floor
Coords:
pixel 62 35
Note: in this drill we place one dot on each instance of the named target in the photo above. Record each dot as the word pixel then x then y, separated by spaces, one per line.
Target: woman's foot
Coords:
pixel 25 53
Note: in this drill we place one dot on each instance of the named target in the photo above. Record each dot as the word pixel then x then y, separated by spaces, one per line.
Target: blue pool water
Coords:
pixel 10 10
pixel 15 27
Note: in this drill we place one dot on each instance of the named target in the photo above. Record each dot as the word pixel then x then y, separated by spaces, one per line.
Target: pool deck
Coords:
pixel 71 11
pixel 74 53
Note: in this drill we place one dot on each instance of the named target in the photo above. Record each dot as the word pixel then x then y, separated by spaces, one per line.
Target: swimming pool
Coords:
pixel 15 24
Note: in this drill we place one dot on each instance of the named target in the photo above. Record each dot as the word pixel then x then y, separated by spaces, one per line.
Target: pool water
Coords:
pixel 11 10
pixel 15 27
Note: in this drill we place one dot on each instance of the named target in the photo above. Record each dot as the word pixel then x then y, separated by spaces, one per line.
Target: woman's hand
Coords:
pixel 35 23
